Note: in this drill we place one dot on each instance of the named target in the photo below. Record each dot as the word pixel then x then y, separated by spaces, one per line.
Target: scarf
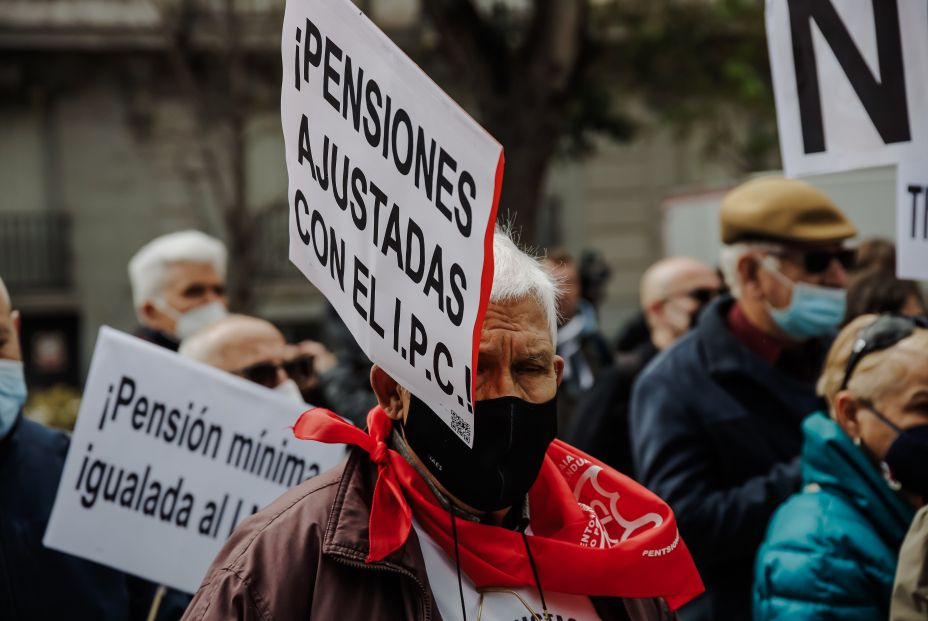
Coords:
pixel 595 532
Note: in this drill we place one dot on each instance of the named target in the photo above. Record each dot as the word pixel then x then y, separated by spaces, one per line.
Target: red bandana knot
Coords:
pixel 379 454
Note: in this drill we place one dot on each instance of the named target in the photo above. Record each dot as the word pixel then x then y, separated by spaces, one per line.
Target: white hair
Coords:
pixel 518 276
pixel 730 256
pixel 148 268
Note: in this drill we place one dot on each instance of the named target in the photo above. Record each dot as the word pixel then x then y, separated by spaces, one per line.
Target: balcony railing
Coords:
pixel 35 251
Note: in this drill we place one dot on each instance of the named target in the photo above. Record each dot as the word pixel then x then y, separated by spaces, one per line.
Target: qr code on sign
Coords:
pixel 460 427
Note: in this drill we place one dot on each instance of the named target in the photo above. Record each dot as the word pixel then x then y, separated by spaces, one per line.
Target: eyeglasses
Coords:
pixel 265 373
pixel 703 295
pixel 883 333
pixel 818 261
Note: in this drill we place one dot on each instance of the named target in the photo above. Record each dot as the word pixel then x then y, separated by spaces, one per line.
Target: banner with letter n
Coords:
pixel 912 219
pixel 168 456
pixel 850 80
pixel 393 193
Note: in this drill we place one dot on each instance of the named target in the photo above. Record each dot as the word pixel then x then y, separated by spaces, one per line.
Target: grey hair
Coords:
pixel 518 275
pixel 730 256
pixel 148 267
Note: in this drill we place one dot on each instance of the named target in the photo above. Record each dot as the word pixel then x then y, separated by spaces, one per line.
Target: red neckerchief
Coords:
pixel 768 348
pixel 595 532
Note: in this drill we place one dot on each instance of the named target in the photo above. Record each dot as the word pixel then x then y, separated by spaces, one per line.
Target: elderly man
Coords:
pixel 178 286
pixel 36 582
pixel 673 292
pixel 251 348
pixel 416 525
pixel 715 420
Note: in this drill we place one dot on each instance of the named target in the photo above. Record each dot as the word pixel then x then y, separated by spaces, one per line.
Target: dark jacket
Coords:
pixel 716 433
pixel 600 425
pixel 156 338
pixel 37 583
pixel 303 558
pixel 831 551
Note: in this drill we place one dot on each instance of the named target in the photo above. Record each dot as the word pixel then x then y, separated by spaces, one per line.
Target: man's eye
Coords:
pixel 195 291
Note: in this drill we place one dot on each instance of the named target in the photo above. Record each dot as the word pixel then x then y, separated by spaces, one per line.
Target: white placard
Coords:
pixel 912 219
pixel 393 192
pixel 850 81
pixel 167 457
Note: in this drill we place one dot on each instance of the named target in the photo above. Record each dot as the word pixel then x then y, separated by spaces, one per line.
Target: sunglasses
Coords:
pixel 883 333
pixel 702 295
pixel 265 373
pixel 818 261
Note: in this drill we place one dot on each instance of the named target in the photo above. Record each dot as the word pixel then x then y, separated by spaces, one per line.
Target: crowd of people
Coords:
pixel 774 408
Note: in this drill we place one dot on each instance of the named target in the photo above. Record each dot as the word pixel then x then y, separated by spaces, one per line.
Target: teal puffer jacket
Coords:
pixel 831 550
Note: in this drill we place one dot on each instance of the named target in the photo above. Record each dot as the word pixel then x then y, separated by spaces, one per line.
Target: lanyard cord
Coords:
pixel 531 561
pixel 457 563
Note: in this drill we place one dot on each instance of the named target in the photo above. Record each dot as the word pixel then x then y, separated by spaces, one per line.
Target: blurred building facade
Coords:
pixel 101 149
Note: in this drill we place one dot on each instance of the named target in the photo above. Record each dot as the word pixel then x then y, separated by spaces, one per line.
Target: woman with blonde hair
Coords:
pixel 831 550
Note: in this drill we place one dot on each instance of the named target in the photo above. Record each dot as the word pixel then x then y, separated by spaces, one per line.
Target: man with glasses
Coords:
pixel 178 286
pixel 715 420
pixel 254 349
pixel 673 293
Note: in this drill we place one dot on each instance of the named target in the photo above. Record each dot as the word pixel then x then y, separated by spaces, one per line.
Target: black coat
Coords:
pixel 600 425
pixel 716 433
pixel 36 582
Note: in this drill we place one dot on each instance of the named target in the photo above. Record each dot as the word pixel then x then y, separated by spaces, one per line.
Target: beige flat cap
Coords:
pixel 782 210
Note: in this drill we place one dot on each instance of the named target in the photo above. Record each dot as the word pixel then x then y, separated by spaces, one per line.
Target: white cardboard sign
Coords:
pixel 850 81
pixel 393 191
pixel 168 456
pixel 912 219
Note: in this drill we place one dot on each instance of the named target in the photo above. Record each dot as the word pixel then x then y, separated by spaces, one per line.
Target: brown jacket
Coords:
pixel 910 595
pixel 303 558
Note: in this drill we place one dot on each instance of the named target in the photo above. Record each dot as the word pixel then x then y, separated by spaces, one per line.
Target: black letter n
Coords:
pixel 885 101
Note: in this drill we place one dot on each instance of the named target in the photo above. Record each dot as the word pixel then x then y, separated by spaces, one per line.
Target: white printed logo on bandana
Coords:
pixel 602 507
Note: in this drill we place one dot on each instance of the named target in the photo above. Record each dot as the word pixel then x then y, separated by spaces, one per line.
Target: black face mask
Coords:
pixel 511 437
pixel 907 459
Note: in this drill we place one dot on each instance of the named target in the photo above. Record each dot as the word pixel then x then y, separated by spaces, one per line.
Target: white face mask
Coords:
pixel 194 320
pixel 289 389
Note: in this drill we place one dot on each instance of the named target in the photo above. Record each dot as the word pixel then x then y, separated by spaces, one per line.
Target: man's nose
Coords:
pixel 213 294
pixel 836 275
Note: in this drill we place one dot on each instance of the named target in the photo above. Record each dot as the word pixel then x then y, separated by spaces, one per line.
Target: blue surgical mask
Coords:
pixel 813 310
pixel 12 394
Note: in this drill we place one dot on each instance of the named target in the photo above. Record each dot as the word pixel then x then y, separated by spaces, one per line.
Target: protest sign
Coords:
pixel 850 81
pixel 912 219
pixel 393 191
pixel 167 457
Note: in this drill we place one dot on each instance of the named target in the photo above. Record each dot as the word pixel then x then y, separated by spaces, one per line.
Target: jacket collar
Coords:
pixel 725 353
pixel 831 461
pixel 347 536
pixel 728 360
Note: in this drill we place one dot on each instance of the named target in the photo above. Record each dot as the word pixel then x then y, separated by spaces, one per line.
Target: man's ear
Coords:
pixel 17 320
pixel 388 392
pixel 748 268
pixel 845 411
pixel 558 369
pixel 148 310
